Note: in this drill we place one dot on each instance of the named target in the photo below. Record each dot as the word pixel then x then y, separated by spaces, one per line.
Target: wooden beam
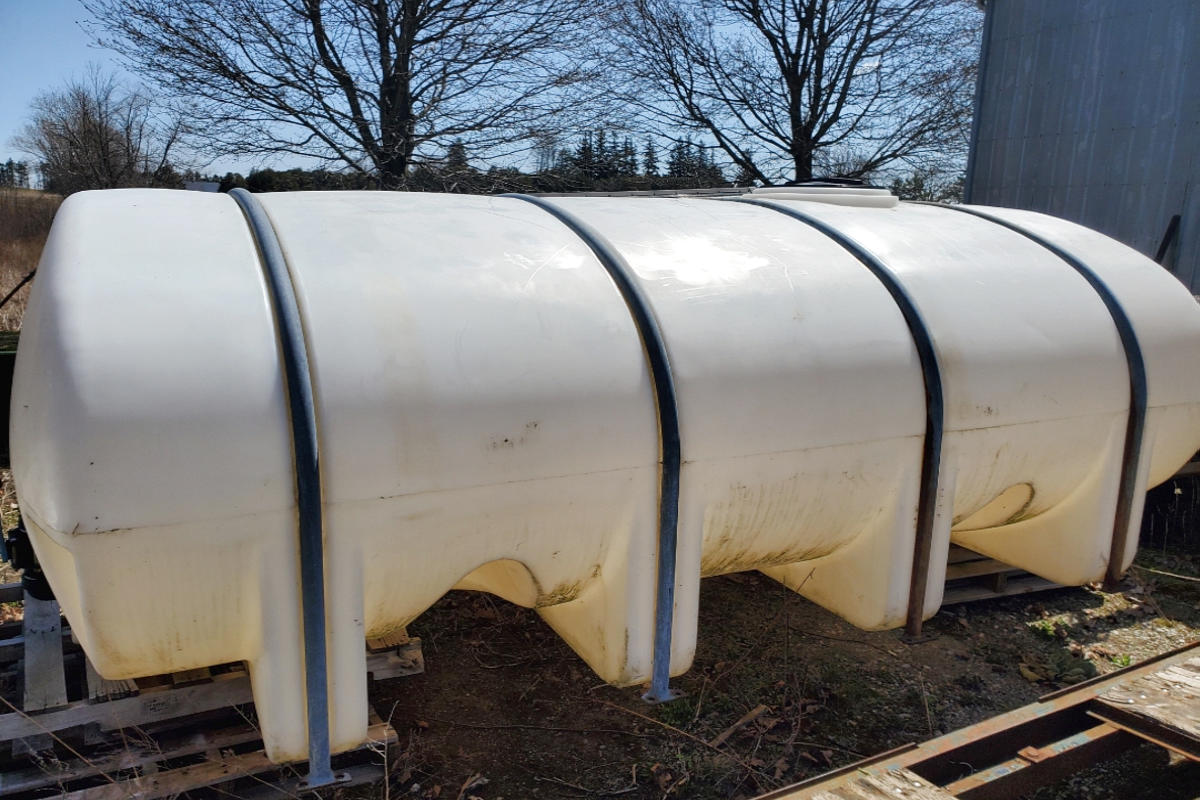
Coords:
pixel 1163 707
pixel 102 690
pixel 894 784
pixel 186 779
pixel 53 774
pixel 973 569
pixel 45 681
pixel 1022 584
pixel 396 660
pixel 129 711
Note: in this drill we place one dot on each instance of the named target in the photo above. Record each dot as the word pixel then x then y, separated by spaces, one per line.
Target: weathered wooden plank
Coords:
pixel 54 773
pixel 189 676
pixel 102 690
pixel 1022 584
pixel 1169 698
pixel 186 779
pixel 958 554
pixel 397 661
pixel 169 701
pixel 45 681
pixel 388 641
pixel 973 569
pixel 129 711
pixel 889 785
pixel 179 780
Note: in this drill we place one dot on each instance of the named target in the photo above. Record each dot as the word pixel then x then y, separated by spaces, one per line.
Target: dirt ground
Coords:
pixel 506 710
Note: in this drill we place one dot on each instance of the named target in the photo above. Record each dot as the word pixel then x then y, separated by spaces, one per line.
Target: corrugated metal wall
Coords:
pixel 1090 110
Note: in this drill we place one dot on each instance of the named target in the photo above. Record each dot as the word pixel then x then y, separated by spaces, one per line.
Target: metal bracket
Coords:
pixel 307 466
pixel 935 413
pixel 18 551
pixel 308 785
pixel 670 450
pixel 923 635
pixel 1138 388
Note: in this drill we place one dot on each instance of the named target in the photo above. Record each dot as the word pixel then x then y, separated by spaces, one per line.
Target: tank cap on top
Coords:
pixel 836 191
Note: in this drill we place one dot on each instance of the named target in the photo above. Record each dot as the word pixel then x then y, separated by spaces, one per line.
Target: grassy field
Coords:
pixel 25 217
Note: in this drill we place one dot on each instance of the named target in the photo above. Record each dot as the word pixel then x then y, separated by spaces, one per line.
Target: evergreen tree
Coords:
pixel 604 156
pixel 629 160
pixel 232 180
pixel 744 177
pixel 682 161
pixel 650 159
pixel 456 157
pixel 585 155
pixel 708 174
pixel 564 161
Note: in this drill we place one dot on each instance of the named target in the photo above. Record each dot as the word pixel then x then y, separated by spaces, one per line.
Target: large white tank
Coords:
pixel 487 419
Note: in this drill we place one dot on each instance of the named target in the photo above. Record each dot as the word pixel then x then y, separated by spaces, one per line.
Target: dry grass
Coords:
pixel 25 217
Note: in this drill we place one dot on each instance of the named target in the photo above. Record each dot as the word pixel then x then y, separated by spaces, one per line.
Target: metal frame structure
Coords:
pixel 1014 753
pixel 670 448
pixel 309 502
pixel 935 406
pixel 1138 390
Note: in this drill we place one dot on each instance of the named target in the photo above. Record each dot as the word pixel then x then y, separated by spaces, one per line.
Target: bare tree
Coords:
pixel 375 85
pixel 788 86
pixel 95 133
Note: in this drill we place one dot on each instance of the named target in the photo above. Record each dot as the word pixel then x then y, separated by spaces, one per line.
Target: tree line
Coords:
pixel 14 175
pixel 478 94
pixel 599 161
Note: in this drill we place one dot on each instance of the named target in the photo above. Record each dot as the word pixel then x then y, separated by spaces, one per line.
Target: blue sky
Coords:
pixel 43 45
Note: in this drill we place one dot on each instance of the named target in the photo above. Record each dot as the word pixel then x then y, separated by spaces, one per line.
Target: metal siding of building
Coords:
pixel 1091 111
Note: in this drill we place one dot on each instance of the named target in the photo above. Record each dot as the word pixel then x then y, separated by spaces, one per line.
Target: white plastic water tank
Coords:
pixel 487 419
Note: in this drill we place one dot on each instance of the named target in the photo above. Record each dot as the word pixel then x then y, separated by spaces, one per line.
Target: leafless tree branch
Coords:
pixel 375 85
pixel 95 133
pixel 788 86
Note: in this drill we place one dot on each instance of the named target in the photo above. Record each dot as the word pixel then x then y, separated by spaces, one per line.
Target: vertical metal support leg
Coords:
pixel 670 448
pixel 1138 389
pixel 935 415
pixel 305 451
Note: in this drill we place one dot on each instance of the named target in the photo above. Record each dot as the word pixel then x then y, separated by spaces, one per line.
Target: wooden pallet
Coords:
pixel 971 576
pixel 89 738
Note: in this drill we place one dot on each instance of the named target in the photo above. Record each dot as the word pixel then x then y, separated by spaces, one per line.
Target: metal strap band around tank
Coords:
pixel 663 382
pixel 306 455
pixel 1138 390
pixel 935 416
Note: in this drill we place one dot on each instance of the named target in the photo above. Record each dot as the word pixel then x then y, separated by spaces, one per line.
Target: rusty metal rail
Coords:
pixel 1157 701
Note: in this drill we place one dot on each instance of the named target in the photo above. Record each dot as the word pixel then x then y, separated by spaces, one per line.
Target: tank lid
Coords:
pixel 837 191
